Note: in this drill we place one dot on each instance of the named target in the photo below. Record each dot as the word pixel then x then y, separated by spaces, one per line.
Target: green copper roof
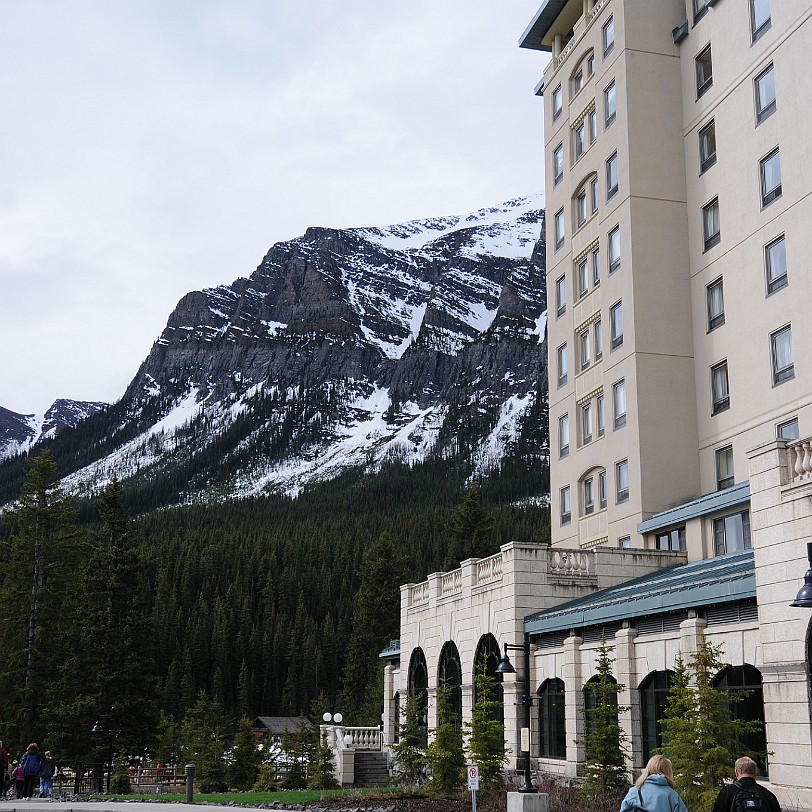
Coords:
pixel 701 583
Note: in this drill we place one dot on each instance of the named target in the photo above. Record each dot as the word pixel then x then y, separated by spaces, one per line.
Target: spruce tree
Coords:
pixel 471 529
pixel 245 757
pixel 409 751
pixel 203 743
pixel 486 734
pixel 445 755
pixel 701 735
pixel 604 740
pixel 321 772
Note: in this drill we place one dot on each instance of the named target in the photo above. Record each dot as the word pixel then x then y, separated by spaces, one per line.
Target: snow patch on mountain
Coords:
pixel 506 432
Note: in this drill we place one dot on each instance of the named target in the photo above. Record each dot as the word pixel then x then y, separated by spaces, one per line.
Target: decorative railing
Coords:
pixel 362 738
pixel 489 570
pixel 570 46
pixel 800 460
pixel 451 583
pixel 419 594
pixel 570 563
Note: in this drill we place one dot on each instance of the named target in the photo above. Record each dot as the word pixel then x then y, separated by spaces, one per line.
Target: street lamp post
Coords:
pixel 804 597
pixel 111 732
pixel 506 667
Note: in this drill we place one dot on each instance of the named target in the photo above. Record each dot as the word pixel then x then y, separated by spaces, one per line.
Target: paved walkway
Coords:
pixel 37 805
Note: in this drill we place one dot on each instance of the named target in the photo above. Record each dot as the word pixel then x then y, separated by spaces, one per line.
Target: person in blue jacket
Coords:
pixel 654 790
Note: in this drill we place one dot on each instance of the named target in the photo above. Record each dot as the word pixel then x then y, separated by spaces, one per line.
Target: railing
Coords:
pixel 451 583
pixel 419 593
pixel 489 570
pixel 800 460
pixel 570 563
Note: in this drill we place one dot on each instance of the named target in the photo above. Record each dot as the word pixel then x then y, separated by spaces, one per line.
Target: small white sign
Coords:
pixel 473 777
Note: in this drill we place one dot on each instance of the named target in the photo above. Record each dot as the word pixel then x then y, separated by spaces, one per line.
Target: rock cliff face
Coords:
pixel 344 348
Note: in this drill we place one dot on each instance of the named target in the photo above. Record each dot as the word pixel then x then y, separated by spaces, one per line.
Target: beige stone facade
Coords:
pixel 678 203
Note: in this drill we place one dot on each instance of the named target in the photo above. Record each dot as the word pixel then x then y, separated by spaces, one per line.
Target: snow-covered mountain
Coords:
pixel 20 432
pixel 343 349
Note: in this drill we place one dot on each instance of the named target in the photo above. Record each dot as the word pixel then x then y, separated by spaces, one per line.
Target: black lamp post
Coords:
pixel 804 597
pixel 506 667
pixel 111 731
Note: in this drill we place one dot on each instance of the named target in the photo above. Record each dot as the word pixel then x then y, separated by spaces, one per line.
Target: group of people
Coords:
pixel 32 767
pixel 654 790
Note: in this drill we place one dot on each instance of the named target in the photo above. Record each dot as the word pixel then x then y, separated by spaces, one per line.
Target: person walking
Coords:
pixel 4 767
pixel 19 780
pixel 745 792
pixel 32 764
pixel 654 789
pixel 46 776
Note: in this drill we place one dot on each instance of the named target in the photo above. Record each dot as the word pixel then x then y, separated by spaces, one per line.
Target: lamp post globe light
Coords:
pixel 111 732
pixel 506 667
pixel 804 597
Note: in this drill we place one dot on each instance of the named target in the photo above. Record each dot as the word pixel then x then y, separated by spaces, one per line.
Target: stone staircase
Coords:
pixel 371 769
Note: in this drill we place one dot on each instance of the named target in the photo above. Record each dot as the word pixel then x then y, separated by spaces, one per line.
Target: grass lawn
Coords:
pixel 256 798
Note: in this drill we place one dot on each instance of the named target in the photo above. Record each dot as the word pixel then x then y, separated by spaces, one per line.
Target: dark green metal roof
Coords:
pixel 541 24
pixel 391 652
pixel 701 583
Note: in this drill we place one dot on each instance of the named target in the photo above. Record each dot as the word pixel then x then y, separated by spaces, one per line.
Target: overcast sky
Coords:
pixel 153 147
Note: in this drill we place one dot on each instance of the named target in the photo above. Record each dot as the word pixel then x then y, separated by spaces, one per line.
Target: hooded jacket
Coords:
pixel 657 797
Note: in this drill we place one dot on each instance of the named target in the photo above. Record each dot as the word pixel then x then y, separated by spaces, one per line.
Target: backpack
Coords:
pixel 747 799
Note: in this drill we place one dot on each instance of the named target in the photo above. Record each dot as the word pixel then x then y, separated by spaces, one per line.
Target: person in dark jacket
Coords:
pixel 46 776
pixel 745 779
pixel 654 789
pixel 32 764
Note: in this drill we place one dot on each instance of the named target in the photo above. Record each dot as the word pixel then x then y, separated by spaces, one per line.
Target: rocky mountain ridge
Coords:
pixel 345 348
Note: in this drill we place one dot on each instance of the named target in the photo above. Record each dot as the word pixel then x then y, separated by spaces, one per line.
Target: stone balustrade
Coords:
pixel 451 583
pixel 569 562
pixel 489 570
pixel 799 460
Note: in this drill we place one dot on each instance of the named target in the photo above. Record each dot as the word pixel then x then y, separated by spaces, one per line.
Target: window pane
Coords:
pixel 593 194
pixel 580 208
pixel 589 495
pixel 616 324
pixel 561 295
pixel 562 364
pixel 586 422
pixel 704 71
pixel 580 140
pixel 771 177
pixel 566 513
pixel 602 489
pixel 611 176
pixel 596 266
pixel 622 480
pixel 600 415
pixel 614 249
pixel 783 368
pixel 608 36
pixel 585 349
pixel 609 104
pixel 776 258
pixel 724 468
pixel 788 430
pixel 760 16
pixel 710 224
pixel 716 305
pixel 619 403
pixel 559 228
pixel 765 94
pixel 557 102
pixel 563 436
pixel 598 340
pixel 707 146
pixel 719 388
pixel 558 163
pixel 592 125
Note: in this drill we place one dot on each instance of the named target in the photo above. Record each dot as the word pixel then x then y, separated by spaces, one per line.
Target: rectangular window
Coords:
pixel 770 171
pixel 563 436
pixel 724 468
pixel 593 194
pixel 579 140
pixel 732 533
pixel 586 423
pixel 611 177
pixel 609 105
pixel 759 17
pixel 582 275
pixel 580 208
pixel 716 305
pixel 788 430
pixel 700 7
pixel 775 257
pixel 561 357
pixel 608 36
pixel 765 94
pixel 616 325
pixel 600 416
pixel 624 543
pixel 577 82
pixel 704 71
pixel 710 223
pixel 598 341
pixel 589 496
pixel 602 490
pixel 619 403
pixel 566 507
pixel 558 164
pixel 596 266
pixel 783 368
pixel 559 228
pixel 592 125
pixel 720 395
pixel 614 249
pixel 558 102
pixel 707 146
pixel 671 540
pixel 590 65
pixel 584 345
pixel 622 480
pixel 560 296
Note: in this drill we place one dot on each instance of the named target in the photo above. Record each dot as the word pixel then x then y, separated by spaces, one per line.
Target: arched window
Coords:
pixel 552 719
pixel 591 701
pixel 749 708
pixel 487 657
pixel 449 674
pixel 653 695
pixel 419 689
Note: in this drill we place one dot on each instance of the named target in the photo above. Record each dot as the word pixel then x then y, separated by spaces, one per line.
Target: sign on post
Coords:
pixel 473 784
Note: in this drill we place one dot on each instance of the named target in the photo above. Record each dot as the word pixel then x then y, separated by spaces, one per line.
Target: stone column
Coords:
pixel 626 673
pixel 573 701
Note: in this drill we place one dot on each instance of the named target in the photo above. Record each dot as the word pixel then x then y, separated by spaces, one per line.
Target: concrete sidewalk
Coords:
pixel 37 805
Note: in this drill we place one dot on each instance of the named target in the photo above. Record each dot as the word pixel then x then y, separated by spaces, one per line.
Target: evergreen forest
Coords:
pixel 265 606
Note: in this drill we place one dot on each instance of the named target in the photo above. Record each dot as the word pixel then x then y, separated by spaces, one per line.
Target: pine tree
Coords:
pixel 245 757
pixel 701 736
pixel 471 528
pixel 411 756
pixel 203 743
pixel 486 734
pixel 322 776
pixel 445 755
pixel 37 561
pixel 604 740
